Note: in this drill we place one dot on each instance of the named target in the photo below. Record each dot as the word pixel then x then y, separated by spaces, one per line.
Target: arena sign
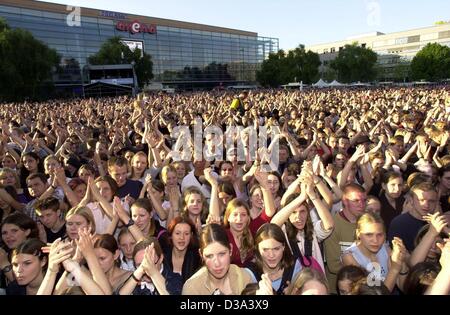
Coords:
pixel 135 27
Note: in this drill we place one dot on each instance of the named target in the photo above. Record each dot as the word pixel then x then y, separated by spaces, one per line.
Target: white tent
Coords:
pixel 336 84
pixel 320 84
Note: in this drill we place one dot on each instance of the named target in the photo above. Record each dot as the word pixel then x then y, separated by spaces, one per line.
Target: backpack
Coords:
pixel 307 260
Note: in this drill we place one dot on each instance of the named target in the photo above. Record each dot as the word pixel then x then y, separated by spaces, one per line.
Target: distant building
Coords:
pixel 392 49
pixel 185 55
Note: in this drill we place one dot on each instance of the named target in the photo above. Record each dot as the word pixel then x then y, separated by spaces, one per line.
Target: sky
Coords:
pixel 293 22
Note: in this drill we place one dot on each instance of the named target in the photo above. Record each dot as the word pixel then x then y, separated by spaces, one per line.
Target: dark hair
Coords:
pixel 362 288
pixel 268 231
pixel 214 233
pixel 32 246
pixel 145 243
pixel 420 277
pixel 421 233
pixel 41 176
pixel 106 241
pixel 117 161
pixel 112 183
pixel 391 175
pixel 227 188
pixel 184 220
pixel 48 203
pixel 147 205
pixel 24 222
pixel 75 182
pixel 291 230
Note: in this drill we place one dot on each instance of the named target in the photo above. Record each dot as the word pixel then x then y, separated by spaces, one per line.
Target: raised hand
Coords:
pixel 437 222
pixel 85 242
pixel 212 219
pixel 120 211
pixel 209 177
pixel 399 252
pixel 359 154
pixel 59 252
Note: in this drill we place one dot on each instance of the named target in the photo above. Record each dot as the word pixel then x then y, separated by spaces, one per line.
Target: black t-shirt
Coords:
pixel 52 236
pixel 131 187
pixel 445 203
pixel 406 227
pixel 14 288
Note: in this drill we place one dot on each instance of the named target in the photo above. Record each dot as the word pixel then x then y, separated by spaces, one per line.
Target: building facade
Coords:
pixel 185 55
pixel 394 49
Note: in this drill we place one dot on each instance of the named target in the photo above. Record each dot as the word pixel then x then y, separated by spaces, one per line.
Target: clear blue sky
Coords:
pixel 292 21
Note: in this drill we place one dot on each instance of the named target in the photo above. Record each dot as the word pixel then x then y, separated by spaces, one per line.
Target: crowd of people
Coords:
pixel 95 200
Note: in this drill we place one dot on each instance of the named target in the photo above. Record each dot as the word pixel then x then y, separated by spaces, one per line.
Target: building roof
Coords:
pixel 94 13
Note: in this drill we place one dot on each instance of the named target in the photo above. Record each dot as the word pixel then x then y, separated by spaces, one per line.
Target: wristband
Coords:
pixel 134 277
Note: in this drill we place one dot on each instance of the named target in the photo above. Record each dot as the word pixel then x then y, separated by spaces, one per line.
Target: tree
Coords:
pixel 113 51
pixel 271 70
pixel 355 63
pixel 296 65
pixel 431 63
pixel 26 64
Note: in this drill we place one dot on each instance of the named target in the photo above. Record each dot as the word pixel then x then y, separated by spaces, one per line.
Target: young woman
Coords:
pixel 98 198
pixel 85 172
pixel 16 228
pixel 169 178
pixel 31 164
pixel 126 243
pixel 275 186
pixel 142 225
pixel 182 258
pixel 421 276
pixel 180 167
pixel 226 193
pixel 107 252
pixel 9 177
pixel 29 264
pixel 372 253
pixel 139 163
pixel 150 277
pixel 237 221
pixel 155 191
pixel 273 257
pixel 261 201
pixel 79 187
pixel 194 207
pixel 218 275
pixel 302 234
pixel 79 218
pixel 391 197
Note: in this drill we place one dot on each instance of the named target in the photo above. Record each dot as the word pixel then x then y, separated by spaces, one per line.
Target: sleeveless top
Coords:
pixel 377 271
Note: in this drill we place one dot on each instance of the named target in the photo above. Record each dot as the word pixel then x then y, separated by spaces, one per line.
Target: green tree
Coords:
pixel 431 63
pixel 302 65
pixel 271 70
pixel 26 64
pixel 113 51
pixel 296 65
pixel 355 63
